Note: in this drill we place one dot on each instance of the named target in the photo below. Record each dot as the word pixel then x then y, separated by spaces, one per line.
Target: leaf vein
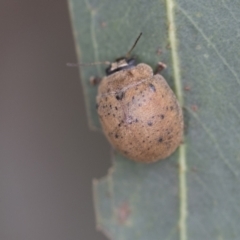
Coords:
pixel 231 13
pixel 211 44
pixel 221 155
pixel 93 33
pixel 170 7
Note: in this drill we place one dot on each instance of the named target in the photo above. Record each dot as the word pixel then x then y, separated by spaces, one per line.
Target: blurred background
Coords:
pixel 48 155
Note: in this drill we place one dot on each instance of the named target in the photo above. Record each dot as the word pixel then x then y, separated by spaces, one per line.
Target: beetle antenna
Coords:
pixel 87 64
pixel 129 52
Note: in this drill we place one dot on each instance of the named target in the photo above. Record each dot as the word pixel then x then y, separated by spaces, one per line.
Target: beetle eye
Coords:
pixel 131 62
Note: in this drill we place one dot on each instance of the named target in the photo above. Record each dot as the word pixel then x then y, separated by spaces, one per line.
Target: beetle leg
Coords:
pixel 160 66
pixel 94 80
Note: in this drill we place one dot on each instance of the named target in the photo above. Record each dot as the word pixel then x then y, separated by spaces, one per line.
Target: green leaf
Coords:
pixel 195 193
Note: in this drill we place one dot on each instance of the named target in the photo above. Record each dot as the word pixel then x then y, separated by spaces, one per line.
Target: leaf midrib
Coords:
pixel 182 149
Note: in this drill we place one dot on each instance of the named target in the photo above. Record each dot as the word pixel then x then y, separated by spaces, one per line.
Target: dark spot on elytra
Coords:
pixel 130 74
pixel 114 115
pixel 110 106
pixel 133 98
pixel 116 108
pixel 119 124
pixel 119 95
pixel 152 87
pixel 136 120
pixel 116 136
pixel 139 104
pixel 106 99
pixel 160 139
pixel 167 108
pixel 108 114
pixel 162 116
pixel 150 123
pixel 171 108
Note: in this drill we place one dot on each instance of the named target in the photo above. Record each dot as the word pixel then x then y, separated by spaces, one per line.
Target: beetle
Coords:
pixel 138 111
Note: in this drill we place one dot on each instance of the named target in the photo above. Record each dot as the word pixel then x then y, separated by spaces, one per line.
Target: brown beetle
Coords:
pixel 139 113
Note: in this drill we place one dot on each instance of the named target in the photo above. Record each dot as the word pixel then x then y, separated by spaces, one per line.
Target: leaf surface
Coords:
pixel 195 193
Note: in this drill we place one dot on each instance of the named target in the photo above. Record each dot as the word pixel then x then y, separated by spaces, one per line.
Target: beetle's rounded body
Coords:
pixel 140 114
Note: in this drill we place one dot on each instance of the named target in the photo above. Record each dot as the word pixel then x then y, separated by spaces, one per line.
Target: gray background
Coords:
pixel 48 155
